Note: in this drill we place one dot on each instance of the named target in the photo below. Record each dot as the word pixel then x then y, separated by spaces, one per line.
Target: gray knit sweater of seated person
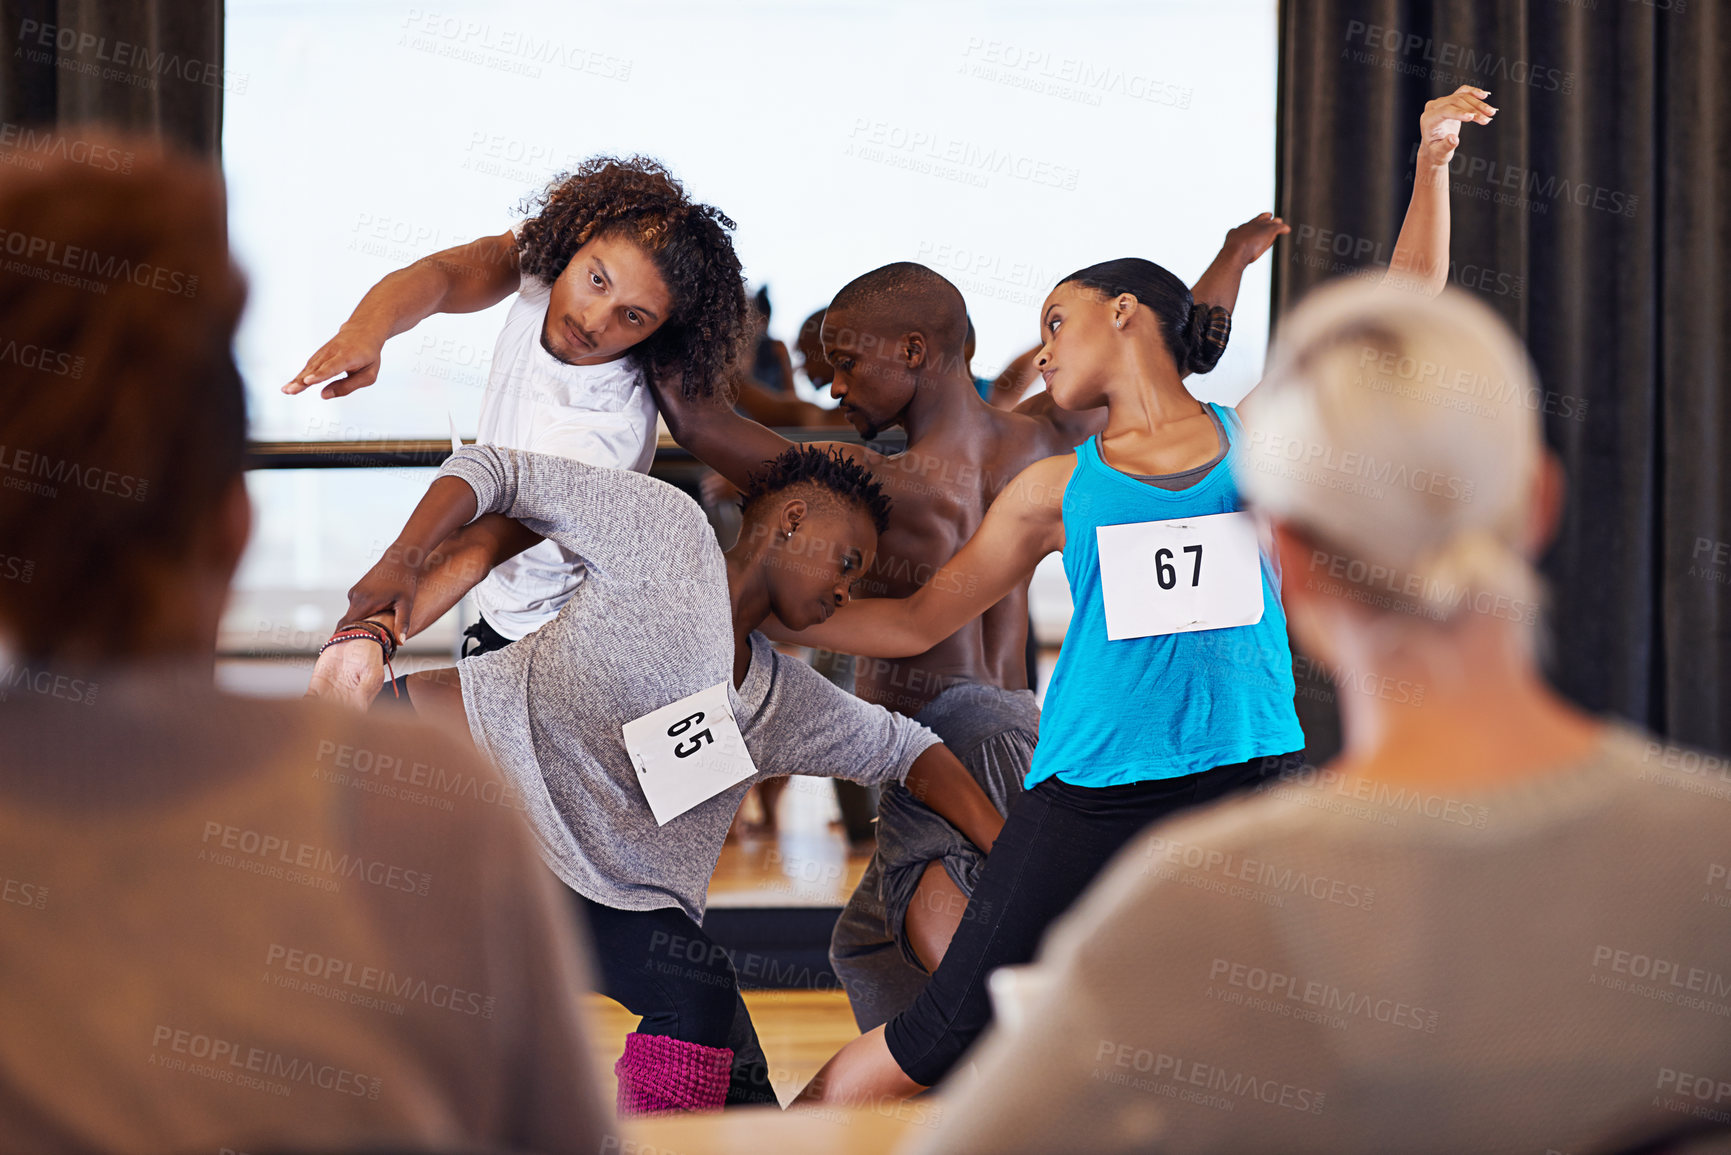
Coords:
pixel 651 624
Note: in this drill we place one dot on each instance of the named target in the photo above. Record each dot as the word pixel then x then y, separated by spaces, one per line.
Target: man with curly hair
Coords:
pixel 620 279
pixel 664 616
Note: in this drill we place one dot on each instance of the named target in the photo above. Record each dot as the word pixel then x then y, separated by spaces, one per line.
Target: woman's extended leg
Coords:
pixel 1057 838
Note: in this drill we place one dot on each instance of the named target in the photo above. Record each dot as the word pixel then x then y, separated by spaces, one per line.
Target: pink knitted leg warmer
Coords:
pixel 658 1075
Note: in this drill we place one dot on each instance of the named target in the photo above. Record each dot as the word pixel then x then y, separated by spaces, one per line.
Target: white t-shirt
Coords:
pixel 597 414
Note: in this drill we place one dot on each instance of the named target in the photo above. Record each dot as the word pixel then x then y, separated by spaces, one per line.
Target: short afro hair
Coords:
pixel 689 243
pixel 906 296
pixel 831 469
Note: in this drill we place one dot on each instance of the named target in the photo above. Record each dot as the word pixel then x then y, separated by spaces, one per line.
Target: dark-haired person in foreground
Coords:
pixel 663 615
pixel 620 278
pixel 1174 687
pixel 217 929
pixel 893 342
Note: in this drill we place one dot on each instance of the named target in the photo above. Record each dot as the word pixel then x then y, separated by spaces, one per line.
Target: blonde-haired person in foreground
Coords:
pixel 1491 924
pixel 225 923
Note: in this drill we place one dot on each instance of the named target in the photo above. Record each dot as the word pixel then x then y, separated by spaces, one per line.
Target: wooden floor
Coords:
pixel 806 861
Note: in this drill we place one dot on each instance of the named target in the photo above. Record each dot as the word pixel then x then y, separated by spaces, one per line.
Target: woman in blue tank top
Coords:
pixel 1174 687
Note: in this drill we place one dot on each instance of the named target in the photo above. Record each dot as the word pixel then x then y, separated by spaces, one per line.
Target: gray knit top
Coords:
pixel 651 625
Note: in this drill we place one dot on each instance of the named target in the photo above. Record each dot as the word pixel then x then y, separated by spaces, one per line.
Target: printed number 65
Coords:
pixel 689 747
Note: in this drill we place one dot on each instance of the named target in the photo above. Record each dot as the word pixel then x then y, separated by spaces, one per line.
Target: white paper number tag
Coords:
pixel 1181 575
pixel 687 752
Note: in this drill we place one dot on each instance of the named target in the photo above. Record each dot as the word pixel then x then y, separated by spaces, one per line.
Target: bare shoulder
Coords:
pixel 1018 441
pixel 1039 489
pixel 1037 407
pixel 1056 429
pixel 1053 470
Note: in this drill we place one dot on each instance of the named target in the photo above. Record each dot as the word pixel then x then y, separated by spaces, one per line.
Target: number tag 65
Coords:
pixel 695 743
pixel 687 752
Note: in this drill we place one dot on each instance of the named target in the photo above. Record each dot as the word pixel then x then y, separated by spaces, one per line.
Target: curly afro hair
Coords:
pixel 831 469
pixel 688 242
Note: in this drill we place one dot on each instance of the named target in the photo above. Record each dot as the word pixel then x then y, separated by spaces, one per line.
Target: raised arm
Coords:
pixel 390 592
pixel 1218 284
pixel 489 504
pixel 619 523
pixel 1008 386
pixel 772 408
pixel 462 279
pixel 732 445
pixel 1073 426
pixel 1024 524
pixel 414 589
pixel 1421 255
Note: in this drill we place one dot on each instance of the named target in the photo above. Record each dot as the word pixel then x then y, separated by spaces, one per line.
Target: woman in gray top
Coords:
pixel 632 814
pixel 1493 923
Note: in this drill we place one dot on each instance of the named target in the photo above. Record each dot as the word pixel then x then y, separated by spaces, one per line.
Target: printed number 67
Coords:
pixel 689 747
pixel 1167 576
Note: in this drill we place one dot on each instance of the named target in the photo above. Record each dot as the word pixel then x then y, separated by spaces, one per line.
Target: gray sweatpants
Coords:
pixel 992 732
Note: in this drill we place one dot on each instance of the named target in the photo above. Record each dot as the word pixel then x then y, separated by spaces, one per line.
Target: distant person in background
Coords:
pixel 1006 389
pixel 759 396
pixel 771 366
pixel 620 278
pixel 225 924
pixel 1512 936
pixel 809 344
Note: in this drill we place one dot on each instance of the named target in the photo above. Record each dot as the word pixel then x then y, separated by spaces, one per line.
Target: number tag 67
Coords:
pixel 1180 575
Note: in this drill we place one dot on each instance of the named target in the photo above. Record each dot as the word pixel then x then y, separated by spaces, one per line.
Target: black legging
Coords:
pixel 482 638
pixel 1056 839
pixel 681 982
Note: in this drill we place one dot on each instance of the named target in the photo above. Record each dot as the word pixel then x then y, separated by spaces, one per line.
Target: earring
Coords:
pixel 1119 322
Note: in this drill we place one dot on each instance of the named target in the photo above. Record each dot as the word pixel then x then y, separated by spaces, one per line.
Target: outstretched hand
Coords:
pixel 352 353
pixel 1439 127
pixel 1255 236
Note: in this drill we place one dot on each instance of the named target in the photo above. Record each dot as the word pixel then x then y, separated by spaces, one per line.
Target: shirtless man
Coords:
pixel 894 339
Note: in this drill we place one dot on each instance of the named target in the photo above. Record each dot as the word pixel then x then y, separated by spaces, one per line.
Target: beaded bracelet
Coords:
pixel 358 631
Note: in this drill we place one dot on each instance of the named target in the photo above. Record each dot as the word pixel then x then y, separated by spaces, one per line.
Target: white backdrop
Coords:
pixel 1004 144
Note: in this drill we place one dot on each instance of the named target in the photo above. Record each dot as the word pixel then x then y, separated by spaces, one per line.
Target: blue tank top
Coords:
pixel 1137 709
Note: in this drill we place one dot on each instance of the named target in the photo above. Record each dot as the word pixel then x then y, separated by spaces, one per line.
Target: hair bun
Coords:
pixel 1205 336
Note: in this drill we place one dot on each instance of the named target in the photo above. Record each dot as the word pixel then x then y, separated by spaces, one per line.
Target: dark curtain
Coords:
pixel 1593 215
pixel 152 67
